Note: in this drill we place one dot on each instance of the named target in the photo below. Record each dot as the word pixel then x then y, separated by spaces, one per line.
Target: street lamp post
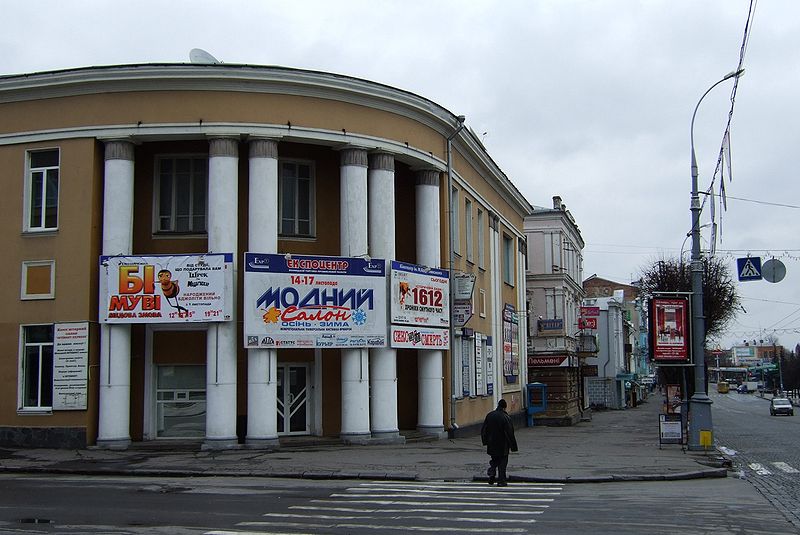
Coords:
pixel 700 425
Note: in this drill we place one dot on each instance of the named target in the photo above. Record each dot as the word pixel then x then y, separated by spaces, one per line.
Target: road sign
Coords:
pixel 773 270
pixel 749 269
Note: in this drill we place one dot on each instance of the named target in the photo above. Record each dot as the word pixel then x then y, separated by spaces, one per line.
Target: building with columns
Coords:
pixel 137 166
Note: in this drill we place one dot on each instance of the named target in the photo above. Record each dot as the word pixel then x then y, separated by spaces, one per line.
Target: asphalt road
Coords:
pixel 227 506
pixel 764 448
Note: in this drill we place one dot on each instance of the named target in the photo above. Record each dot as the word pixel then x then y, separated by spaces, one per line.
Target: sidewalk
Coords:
pixel 613 446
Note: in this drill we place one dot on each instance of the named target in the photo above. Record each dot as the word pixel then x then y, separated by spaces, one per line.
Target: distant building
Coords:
pixel 554 294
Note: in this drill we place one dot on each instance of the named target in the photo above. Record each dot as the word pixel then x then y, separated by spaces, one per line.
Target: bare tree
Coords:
pixel 720 299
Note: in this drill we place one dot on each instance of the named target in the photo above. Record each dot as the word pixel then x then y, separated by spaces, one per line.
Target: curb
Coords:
pixel 617 478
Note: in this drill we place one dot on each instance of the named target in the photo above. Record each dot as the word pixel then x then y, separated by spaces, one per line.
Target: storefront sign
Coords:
pixel 489 366
pixel 551 326
pixel 589 370
pixel 480 379
pixel 463 285
pixel 166 289
pixel 70 366
pixel 510 343
pixel 590 312
pixel 560 360
pixel 462 312
pixel 314 301
pixel 669 329
pixel 420 295
pixel 587 323
pixel 419 337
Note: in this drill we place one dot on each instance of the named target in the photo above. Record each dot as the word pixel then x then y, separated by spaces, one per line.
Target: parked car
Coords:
pixel 781 406
pixel 742 389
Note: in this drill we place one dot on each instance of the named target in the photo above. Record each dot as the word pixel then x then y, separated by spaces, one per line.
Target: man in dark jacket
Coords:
pixel 497 434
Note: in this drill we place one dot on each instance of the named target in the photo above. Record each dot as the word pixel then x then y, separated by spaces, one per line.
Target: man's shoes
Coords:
pixel 491 480
pixel 502 484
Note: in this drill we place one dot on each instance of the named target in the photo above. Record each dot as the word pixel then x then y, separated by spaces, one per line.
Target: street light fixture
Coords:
pixel 700 425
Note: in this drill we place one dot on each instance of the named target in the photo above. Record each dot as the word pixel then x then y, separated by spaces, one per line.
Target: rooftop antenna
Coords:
pixel 198 55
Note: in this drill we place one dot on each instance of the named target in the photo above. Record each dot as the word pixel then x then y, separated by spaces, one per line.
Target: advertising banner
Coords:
pixel 314 301
pixel 587 323
pixel 70 366
pixel 419 337
pixel 669 319
pixel 420 295
pixel 166 288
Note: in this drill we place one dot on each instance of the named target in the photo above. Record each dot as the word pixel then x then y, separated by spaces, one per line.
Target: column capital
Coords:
pixel 428 177
pixel 223 146
pixel 119 149
pixel 381 160
pixel 263 148
pixel 354 156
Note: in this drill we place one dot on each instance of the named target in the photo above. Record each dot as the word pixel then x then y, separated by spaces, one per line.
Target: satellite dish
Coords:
pixel 773 270
pixel 198 55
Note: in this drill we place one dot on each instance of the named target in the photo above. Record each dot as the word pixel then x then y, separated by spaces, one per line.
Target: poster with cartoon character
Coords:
pixel 166 288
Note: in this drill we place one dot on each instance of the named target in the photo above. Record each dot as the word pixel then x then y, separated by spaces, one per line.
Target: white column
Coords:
pixel 430 411
pixel 262 364
pixel 223 179
pixel 496 269
pixel 353 242
pixel 383 361
pixel 113 426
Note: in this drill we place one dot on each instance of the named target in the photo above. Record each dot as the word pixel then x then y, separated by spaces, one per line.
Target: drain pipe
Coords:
pixel 459 126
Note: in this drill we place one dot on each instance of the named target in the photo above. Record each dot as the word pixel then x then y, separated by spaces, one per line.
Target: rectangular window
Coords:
pixel 482 303
pixel 41 206
pixel 481 249
pixel 181 194
pixel 508 260
pixel 468 229
pixel 38 279
pixel 454 230
pixel 296 184
pixel 37 367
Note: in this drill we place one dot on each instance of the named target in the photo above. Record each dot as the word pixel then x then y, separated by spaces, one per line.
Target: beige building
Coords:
pixel 153 165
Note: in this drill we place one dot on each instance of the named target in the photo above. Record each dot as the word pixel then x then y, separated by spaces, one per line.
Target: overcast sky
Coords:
pixel 588 100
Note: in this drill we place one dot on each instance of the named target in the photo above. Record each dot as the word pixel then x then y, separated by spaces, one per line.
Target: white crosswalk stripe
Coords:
pixel 786 468
pixel 407 507
pixel 759 469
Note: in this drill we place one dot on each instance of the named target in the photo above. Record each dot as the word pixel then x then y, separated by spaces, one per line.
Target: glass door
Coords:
pixel 292 399
pixel 181 401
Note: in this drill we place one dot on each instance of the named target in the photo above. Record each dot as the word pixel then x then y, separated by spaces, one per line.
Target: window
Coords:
pixel 508 260
pixel 296 199
pixel 38 279
pixel 37 367
pixel 468 229
pixel 481 250
pixel 41 204
pixel 456 235
pixel 182 194
pixel 482 303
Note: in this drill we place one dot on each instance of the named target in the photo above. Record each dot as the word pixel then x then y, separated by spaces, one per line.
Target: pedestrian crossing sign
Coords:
pixel 749 269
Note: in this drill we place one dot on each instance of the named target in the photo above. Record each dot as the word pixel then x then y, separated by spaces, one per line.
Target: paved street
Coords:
pixel 763 447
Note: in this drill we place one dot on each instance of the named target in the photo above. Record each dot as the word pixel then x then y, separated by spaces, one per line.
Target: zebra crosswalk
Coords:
pixel 407 507
pixel 764 470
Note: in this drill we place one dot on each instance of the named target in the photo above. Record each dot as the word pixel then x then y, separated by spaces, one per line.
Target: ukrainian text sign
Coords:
pixel 166 289
pixel 314 301
pixel 70 366
pixel 420 295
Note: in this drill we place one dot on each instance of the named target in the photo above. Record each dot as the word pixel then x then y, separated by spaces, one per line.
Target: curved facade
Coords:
pixel 186 161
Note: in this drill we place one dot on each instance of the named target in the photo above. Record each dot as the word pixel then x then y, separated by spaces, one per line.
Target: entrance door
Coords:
pixel 292 399
pixel 180 401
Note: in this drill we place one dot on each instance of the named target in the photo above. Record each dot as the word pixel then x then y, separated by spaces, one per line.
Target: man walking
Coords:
pixel 497 434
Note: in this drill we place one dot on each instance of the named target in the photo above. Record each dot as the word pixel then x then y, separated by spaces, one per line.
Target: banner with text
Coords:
pixel 166 288
pixel 314 301
pixel 404 336
pixel 420 295
pixel 70 366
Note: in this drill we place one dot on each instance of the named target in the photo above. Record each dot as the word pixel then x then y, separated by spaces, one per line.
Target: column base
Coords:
pixel 113 443
pixel 262 443
pixel 220 444
pixel 356 439
pixel 387 437
pixel 433 430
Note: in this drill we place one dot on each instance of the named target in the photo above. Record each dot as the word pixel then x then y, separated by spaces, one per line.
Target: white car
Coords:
pixel 781 406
